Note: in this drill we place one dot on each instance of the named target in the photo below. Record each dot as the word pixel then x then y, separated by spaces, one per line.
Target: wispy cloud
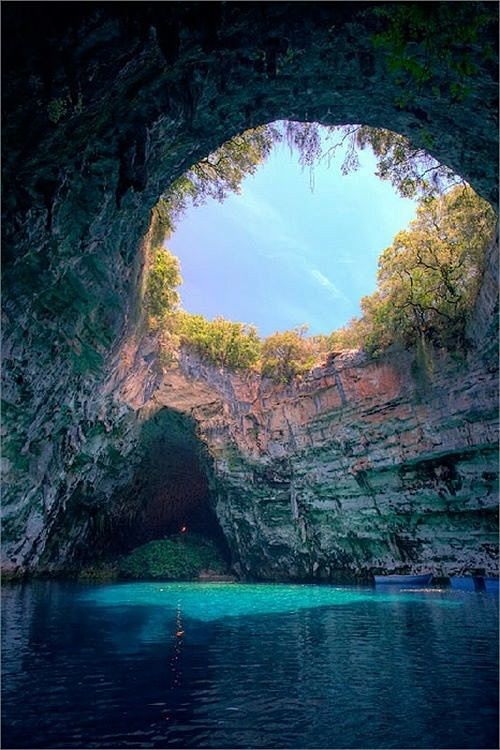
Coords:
pixel 260 209
pixel 269 227
pixel 266 224
pixel 327 284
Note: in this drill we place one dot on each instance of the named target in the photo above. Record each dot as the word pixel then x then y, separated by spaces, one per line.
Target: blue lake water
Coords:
pixel 157 665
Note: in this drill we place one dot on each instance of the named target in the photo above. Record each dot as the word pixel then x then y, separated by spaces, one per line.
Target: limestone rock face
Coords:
pixel 104 106
pixel 360 465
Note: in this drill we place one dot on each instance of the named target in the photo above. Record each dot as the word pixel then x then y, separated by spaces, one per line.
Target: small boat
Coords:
pixel 412 580
pixel 492 585
pixel 462 583
pixel 475 583
pixel 486 583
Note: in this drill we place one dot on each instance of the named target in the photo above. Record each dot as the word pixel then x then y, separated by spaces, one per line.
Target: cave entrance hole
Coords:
pixel 170 491
pixel 304 228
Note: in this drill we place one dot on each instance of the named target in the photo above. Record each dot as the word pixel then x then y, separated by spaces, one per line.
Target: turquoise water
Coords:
pixel 217 601
pixel 238 665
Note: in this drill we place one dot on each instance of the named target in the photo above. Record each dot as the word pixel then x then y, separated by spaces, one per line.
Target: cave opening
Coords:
pixel 435 229
pixel 169 493
pixel 304 226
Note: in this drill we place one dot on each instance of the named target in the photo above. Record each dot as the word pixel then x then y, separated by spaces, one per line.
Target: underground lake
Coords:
pixel 228 665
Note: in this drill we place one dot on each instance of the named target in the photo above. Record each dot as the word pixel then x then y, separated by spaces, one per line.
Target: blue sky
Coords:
pixel 279 255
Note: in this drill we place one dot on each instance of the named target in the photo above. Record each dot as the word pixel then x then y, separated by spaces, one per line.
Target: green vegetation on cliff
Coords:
pixel 428 279
pixel 287 354
pixel 418 44
pixel 223 342
pixel 163 279
pixel 179 557
pixel 427 282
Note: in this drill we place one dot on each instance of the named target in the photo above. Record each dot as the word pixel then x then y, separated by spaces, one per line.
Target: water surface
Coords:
pixel 237 665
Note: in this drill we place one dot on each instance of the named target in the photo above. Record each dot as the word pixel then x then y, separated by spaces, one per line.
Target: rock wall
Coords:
pixel 104 106
pixel 482 328
pixel 360 466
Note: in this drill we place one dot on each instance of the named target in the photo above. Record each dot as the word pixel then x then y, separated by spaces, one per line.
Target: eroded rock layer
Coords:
pixel 104 106
pixel 361 465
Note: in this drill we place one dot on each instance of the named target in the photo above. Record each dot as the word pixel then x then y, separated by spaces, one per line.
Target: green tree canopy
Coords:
pixel 287 354
pixel 163 279
pixel 222 342
pixel 428 279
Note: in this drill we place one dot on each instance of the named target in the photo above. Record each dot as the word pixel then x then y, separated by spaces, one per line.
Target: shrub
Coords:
pixel 287 354
pixel 161 223
pixel 228 344
pixel 98 573
pixel 179 557
pixel 163 279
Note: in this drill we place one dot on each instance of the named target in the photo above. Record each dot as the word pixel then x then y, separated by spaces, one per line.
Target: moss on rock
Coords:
pixel 178 557
pixel 98 573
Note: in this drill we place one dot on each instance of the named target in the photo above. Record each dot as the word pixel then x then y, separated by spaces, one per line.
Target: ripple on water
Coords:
pixel 256 666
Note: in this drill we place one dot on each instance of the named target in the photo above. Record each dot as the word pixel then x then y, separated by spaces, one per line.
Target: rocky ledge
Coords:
pixel 362 465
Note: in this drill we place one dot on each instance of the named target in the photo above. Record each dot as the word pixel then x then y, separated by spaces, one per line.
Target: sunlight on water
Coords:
pixel 218 665
pixel 213 601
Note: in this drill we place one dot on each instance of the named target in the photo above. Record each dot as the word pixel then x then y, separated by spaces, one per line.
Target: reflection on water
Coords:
pixel 215 601
pixel 263 666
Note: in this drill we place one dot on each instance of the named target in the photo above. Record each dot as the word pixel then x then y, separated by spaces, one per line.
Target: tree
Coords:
pixel 222 342
pixel 431 273
pixel 163 279
pixel 354 335
pixel 287 354
pixel 428 279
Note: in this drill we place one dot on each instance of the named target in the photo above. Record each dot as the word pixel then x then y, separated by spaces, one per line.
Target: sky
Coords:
pixel 279 254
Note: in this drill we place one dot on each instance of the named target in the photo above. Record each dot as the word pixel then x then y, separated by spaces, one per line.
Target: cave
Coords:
pixel 167 495
pixel 104 106
pixel 361 467
pixel 171 483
